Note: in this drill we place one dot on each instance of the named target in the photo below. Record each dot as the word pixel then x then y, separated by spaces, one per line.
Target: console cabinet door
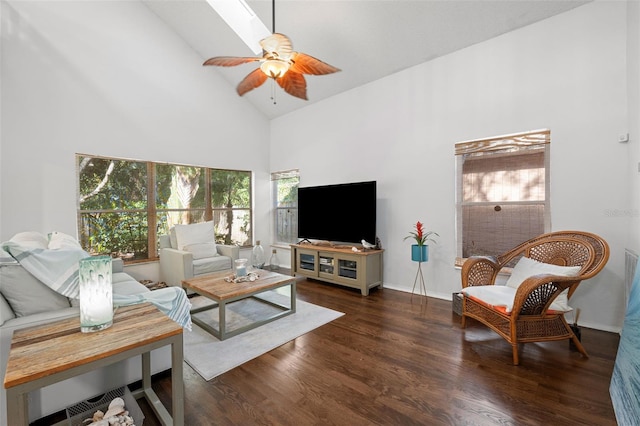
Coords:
pixel 307 262
pixel 327 265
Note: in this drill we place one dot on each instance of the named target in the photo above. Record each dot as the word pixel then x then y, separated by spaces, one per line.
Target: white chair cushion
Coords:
pixel 493 295
pixel 194 234
pixel 202 250
pixel 172 238
pixel 527 267
pixel 211 264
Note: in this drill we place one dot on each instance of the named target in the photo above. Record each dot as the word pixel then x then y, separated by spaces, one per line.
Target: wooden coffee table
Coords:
pixel 215 288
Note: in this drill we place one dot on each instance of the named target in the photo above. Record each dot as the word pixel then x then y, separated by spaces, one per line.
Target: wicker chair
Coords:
pixel 529 320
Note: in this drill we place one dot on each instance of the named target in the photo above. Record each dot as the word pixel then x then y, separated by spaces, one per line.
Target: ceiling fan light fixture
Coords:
pixel 275 68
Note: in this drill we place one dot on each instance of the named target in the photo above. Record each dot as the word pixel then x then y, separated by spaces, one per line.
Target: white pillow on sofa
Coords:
pixel 26 294
pixel 202 250
pixel 59 240
pixel 31 240
pixel 527 267
pixel 194 233
pixel 6 313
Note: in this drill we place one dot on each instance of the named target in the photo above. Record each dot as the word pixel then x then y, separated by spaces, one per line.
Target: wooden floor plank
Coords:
pixel 391 360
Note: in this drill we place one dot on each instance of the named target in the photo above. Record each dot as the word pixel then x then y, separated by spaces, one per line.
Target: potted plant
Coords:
pixel 420 250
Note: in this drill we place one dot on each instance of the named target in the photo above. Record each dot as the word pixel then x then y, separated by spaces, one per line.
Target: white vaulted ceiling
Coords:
pixel 366 39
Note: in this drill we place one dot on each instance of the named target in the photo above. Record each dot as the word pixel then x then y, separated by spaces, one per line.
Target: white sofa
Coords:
pixel 190 251
pixel 26 302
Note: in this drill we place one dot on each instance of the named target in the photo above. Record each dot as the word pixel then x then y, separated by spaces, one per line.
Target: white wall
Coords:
pixel 633 83
pixel 109 78
pixel 567 73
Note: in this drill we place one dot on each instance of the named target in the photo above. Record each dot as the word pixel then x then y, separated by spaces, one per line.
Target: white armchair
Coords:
pixel 177 265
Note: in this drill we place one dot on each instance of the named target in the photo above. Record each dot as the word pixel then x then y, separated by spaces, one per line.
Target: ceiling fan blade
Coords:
pixel 255 79
pixel 294 84
pixel 229 61
pixel 305 64
pixel 277 44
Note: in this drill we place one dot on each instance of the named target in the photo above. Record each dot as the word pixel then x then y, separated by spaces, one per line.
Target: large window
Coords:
pixel 285 206
pixel 123 205
pixel 502 195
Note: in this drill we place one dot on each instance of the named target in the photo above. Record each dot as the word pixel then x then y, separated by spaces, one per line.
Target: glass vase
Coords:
pixel 257 256
pixel 96 294
pixel 241 267
pixel 273 261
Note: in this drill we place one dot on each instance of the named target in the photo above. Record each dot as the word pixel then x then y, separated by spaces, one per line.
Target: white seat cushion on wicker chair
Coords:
pixel 497 296
pixel 503 295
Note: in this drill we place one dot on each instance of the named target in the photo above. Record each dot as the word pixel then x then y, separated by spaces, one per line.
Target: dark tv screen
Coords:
pixel 339 213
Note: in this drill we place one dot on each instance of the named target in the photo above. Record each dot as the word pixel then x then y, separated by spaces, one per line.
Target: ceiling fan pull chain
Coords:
pixel 273 16
pixel 273 91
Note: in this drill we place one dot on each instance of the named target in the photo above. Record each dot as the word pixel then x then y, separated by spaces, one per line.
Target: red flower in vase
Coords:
pixel 420 235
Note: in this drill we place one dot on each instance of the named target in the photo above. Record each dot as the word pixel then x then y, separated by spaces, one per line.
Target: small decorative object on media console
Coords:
pixel 96 294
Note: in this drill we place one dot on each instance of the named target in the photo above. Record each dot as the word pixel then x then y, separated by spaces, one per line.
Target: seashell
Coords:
pixel 116 407
pixel 97 416
pixel 117 401
pixel 114 411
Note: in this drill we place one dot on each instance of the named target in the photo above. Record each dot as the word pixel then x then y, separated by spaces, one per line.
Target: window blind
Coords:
pixel 502 192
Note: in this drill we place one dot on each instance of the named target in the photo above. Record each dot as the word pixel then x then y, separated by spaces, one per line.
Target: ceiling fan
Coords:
pixel 279 62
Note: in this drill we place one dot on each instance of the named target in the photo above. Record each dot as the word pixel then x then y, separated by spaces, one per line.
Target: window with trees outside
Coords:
pixel 124 205
pixel 285 206
pixel 502 192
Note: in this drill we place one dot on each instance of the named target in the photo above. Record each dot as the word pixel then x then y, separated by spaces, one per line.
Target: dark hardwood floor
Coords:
pixel 392 360
pixel 397 359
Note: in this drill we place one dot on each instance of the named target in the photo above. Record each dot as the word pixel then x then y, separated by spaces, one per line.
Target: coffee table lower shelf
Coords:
pixel 222 333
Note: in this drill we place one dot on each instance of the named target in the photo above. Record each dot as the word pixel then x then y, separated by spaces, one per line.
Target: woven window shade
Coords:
pixel 488 232
pixel 516 176
pixel 502 192
pixel 285 174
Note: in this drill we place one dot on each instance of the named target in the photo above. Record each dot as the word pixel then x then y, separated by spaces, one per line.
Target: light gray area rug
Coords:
pixel 211 357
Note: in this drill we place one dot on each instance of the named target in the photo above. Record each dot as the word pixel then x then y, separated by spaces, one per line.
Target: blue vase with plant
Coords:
pixel 420 251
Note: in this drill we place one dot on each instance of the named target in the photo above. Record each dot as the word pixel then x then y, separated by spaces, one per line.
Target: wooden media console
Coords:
pixel 338 265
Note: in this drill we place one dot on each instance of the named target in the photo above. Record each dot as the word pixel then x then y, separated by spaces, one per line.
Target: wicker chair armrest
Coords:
pixel 536 293
pixel 479 270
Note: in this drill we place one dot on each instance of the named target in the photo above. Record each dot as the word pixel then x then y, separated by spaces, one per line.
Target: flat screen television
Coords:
pixel 338 213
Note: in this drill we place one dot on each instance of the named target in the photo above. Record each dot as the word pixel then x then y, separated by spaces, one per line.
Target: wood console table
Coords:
pixel 53 352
